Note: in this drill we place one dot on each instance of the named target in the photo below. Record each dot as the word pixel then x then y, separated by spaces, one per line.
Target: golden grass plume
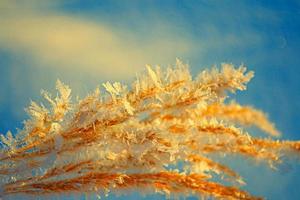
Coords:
pixel 132 137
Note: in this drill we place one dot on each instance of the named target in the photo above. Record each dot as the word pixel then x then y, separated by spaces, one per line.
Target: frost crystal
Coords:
pixel 130 138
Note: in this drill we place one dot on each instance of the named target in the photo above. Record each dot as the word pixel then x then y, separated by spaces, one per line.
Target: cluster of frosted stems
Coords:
pixel 156 136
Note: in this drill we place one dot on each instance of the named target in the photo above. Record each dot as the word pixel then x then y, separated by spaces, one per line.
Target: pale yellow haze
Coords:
pixel 52 39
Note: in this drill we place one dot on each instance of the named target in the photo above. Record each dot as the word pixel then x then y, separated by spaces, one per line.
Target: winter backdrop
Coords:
pixel 85 43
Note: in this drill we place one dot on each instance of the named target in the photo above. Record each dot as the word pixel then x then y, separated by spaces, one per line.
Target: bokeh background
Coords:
pixel 84 43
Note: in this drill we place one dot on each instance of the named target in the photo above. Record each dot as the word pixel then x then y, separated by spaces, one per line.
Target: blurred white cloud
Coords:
pixel 62 41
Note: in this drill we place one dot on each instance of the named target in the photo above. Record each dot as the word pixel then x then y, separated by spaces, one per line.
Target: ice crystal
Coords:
pixel 132 137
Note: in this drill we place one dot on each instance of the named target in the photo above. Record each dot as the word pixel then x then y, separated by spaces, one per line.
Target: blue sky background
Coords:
pixel 85 43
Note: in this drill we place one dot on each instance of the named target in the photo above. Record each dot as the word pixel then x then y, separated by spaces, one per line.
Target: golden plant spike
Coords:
pixel 133 137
